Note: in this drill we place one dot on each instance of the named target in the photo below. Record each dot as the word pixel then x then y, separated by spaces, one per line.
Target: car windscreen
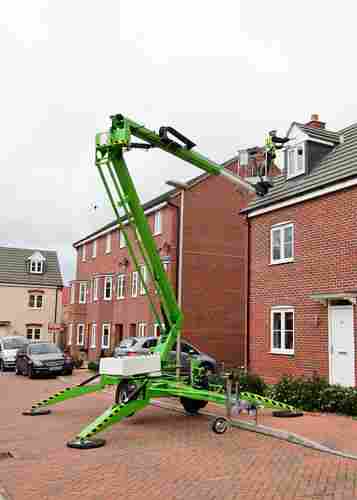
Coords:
pixel 127 343
pixel 14 343
pixel 44 349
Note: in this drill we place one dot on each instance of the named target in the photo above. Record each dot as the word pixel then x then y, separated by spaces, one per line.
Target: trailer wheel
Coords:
pixel 220 425
pixel 192 406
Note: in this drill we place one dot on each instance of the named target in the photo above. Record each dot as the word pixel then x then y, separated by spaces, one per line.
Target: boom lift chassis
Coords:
pixel 134 390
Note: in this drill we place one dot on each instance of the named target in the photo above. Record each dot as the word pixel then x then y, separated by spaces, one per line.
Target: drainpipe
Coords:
pixel 246 339
pixel 55 318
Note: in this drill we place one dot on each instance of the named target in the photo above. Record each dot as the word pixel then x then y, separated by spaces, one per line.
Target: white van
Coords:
pixel 8 349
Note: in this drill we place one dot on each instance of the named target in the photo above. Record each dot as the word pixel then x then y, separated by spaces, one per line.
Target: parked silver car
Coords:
pixel 132 346
pixel 8 350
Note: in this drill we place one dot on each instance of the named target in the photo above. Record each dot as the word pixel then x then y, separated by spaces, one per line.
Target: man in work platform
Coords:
pixel 272 143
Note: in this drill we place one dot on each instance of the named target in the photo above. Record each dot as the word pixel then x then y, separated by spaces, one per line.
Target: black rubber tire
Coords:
pixel 2 366
pixel 30 372
pixel 192 406
pixel 220 425
pixel 17 371
pixel 121 393
pixel 287 414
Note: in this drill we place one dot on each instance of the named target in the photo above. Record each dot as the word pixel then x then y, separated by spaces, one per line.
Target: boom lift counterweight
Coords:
pixel 141 378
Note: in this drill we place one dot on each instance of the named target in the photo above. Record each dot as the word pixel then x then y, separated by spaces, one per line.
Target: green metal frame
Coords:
pixel 125 201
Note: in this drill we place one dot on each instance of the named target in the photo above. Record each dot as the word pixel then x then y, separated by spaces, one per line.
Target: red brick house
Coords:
pixel 303 260
pixel 107 302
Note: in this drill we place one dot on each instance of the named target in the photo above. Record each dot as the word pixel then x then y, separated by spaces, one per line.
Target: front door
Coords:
pixel 342 350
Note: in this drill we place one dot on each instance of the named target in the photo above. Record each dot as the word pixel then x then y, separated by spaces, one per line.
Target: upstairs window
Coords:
pixel 95 289
pixel 35 301
pixel 83 253
pixel 157 222
pixel 108 287
pixel 82 293
pixel 73 291
pixel 122 242
pixel 134 284
pixel 295 158
pixel 143 282
pixel 282 243
pixel 108 243
pixel 37 263
pixel 282 330
pixel 94 249
pixel 121 286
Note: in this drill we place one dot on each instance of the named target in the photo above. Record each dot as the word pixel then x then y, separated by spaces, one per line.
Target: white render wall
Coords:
pixel 14 307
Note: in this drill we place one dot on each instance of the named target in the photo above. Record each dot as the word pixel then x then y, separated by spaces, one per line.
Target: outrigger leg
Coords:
pixel 41 408
pixel 111 416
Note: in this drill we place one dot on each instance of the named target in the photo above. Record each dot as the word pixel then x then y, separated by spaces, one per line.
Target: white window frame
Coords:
pixel 105 325
pixel 122 241
pixel 94 249
pixel 144 274
pixel 80 327
pixel 84 252
pixel 33 333
pixel 108 279
pixel 280 228
pixel 82 289
pixel 157 222
pixel 93 337
pixel 108 243
pixel 36 295
pixel 70 334
pixel 121 286
pixel 282 310
pixel 73 293
pixel 38 266
pixel 95 289
pixel 134 283
pixel 293 150
pixel 142 329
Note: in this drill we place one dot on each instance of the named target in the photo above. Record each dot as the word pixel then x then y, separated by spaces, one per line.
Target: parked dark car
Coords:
pixel 68 364
pixel 8 349
pixel 39 357
pixel 132 346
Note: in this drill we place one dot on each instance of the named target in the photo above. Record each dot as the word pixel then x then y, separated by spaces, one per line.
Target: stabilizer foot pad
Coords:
pixel 36 411
pixel 86 444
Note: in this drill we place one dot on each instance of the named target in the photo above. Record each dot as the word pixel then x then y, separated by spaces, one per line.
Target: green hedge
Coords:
pixel 315 394
pixel 93 366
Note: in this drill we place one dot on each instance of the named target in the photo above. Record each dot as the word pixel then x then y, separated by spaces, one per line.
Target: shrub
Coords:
pixel 248 382
pixel 93 366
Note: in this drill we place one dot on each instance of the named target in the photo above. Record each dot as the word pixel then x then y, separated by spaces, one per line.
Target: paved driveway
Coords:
pixel 153 455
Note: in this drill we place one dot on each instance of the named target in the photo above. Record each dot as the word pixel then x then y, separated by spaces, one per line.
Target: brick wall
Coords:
pixel 325 247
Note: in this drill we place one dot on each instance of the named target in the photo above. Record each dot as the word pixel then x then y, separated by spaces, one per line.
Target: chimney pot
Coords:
pixel 315 122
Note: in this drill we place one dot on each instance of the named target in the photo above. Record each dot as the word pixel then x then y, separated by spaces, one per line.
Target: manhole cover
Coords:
pixel 6 454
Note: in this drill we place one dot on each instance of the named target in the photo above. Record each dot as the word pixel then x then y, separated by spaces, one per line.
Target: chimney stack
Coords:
pixel 315 122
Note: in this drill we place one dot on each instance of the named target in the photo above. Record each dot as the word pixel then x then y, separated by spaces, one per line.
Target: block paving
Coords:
pixel 154 455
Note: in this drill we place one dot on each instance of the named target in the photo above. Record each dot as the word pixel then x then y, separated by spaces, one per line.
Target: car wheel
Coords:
pixel 17 371
pixel 192 406
pixel 2 366
pixel 31 373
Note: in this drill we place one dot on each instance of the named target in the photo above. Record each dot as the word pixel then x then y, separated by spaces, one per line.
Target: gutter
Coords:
pixel 178 230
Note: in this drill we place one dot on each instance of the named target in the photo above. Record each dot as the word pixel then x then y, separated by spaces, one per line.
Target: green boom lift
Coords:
pixel 138 379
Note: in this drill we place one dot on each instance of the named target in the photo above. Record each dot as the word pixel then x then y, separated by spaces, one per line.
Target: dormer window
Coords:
pixel 295 159
pixel 37 263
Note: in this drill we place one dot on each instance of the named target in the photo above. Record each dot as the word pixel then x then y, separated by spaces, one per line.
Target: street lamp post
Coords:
pixel 182 187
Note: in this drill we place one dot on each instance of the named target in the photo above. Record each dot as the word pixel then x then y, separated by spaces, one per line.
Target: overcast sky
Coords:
pixel 224 73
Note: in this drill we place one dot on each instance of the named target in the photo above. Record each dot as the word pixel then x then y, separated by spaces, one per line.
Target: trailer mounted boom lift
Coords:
pixel 139 379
